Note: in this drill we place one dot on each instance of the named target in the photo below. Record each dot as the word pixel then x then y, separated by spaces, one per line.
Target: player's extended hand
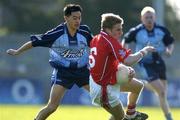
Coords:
pixel 12 52
pixel 147 49
pixel 168 53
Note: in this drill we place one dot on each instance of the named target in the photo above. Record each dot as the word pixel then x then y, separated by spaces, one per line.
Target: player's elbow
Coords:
pixel 127 63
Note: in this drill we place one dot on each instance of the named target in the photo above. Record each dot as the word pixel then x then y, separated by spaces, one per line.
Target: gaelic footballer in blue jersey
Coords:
pixel 68 47
pixel 150 33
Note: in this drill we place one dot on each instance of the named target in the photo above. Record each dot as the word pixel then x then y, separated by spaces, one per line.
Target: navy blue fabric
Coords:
pixel 156 70
pixel 69 77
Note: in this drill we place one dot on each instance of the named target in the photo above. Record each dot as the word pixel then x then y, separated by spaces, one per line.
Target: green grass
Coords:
pixel 27 112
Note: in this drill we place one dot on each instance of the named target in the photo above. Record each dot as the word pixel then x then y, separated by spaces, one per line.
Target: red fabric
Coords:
pixel 109 54
pixel 131 110
pixel 104 98
pixel 131 107
pixel 106 54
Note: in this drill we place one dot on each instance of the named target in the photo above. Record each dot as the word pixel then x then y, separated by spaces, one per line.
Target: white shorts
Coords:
pixel 113 92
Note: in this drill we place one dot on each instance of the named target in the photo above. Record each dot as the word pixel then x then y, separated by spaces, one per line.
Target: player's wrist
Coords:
pixel 143 52
pixel 17 52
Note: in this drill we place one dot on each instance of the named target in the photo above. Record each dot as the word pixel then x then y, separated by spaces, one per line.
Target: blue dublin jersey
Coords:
pixel 159 37
pixel 65 51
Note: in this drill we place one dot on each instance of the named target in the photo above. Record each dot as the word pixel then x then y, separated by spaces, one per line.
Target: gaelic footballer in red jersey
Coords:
pixel 110 54
pixel 108 60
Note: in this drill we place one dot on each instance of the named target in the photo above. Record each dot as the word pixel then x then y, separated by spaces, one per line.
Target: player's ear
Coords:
pixel 141 18
pixel 65 18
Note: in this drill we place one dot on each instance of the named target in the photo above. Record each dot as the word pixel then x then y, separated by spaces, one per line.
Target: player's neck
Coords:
pixel 149 28
pixel 71 31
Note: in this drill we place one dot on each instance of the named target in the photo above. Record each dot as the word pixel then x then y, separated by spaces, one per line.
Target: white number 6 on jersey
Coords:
pixel 93 51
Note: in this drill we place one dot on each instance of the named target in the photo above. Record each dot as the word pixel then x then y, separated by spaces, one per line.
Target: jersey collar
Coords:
pixel 107 35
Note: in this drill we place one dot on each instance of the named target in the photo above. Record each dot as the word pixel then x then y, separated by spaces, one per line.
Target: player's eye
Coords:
pixel 118 29
pixel 76 18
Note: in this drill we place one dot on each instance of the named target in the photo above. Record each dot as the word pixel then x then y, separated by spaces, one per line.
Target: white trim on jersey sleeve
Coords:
pixel 53 32
pixel 38 37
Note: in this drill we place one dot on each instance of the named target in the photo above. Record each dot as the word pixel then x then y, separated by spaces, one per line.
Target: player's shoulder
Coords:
pixel 59 28
pixel 84 28
pixel 137 28
pixel 98 39
pixel 134 30
pixel 106 40
pixel 161 27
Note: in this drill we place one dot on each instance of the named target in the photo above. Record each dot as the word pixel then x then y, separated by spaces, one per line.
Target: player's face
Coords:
pixel 73 20
pixel 116 31
pixel 148 19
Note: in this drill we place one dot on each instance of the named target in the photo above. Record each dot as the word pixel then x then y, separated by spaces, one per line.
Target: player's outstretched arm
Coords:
pixel 136 57
pixel 21 49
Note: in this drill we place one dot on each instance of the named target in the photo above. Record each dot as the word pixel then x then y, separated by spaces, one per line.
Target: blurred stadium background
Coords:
pixel 25 79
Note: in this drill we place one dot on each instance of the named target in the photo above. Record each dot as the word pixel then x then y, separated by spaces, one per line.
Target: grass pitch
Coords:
pixel 27 112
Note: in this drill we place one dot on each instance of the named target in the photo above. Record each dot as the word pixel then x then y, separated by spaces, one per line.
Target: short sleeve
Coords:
pixel 84 29
pixel 168 38
pixel 46 39
pixel 130 36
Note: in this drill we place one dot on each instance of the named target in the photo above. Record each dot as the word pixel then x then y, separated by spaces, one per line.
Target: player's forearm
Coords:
pixel 25 47
pixel 133 58
pixel 136 57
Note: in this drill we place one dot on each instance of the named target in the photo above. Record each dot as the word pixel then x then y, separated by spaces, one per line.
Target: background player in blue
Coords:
pixel 68 45
pixel 149 33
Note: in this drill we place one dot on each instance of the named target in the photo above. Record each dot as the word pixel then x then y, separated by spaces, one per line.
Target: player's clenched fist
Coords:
pixel 147 49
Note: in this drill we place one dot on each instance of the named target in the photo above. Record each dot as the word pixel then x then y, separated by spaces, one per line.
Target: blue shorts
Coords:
pixel 156 70
pixel 67 77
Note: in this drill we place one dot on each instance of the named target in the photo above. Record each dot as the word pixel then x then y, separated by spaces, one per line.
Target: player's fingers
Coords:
pixel 131 73
pixel 9 51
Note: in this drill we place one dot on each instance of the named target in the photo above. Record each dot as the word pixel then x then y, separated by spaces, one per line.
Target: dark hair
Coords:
pixel 69 8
